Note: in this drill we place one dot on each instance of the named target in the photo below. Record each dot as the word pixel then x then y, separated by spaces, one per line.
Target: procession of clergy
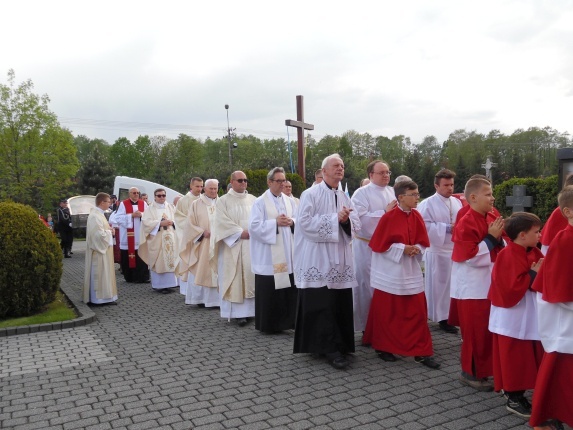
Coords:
pixel 357 268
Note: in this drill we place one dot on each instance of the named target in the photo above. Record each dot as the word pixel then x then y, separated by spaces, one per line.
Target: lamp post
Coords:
pixel 229 137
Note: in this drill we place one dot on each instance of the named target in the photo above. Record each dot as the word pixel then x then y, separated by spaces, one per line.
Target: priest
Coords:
pixel 194 266
pixel 271 228
pixel 439 212
pixel 99 276
pixel 158 244
pixel 181 212
pixel 371 202
pixel 231 256
pixel 324 268
pixel 128 218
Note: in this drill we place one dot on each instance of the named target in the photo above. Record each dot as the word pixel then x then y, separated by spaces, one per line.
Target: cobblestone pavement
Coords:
pixel 151 362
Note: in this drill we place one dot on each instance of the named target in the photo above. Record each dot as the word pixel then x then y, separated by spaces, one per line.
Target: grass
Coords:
pixel 58 310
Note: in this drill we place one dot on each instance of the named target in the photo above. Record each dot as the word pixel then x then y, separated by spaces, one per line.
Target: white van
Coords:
pixel 122 185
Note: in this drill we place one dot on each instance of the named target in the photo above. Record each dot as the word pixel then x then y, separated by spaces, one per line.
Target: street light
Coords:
pixel 234 145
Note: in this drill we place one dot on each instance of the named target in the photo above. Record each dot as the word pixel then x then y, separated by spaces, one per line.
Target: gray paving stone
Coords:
pixel 152 362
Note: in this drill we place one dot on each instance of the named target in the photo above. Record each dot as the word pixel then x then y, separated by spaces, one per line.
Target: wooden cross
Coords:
pixel 519 201
pixel 300 126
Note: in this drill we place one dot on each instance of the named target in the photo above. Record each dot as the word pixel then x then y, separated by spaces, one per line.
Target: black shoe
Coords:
pixel 164 291
pixel 519 406
pixel 201 305
pixel 428 362
pixel 67 256
pixel 386 356
pixel 339 362
pixel 242 322
pixel 447 327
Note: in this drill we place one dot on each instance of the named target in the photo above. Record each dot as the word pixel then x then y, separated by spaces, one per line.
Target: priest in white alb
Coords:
pixel 194 265
pixel 181 212
pixel 370 202
pixel 231 255
pixel 99 278
pixel 158 245
pixel 271 229
pixel 439 212
pixel 324 268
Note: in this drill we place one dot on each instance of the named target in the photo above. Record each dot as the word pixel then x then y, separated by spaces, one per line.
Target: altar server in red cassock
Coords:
pixel 554 384
pixel 476 242
pixel 517 351
pixel 555 223
pixel 397 321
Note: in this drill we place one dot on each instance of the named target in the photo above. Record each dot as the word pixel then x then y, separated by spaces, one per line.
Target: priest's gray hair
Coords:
pixel 401 178
pixel 273 172
pixel 212 181
pixel 327 159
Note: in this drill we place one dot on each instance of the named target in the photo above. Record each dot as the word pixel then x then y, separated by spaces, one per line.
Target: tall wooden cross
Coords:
pixel 300 126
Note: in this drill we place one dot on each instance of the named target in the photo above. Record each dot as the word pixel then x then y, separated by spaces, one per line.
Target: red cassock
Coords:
pixel 554 386
pixel 472 315
pixel 554 225
pixel 515 361
pixel 398 323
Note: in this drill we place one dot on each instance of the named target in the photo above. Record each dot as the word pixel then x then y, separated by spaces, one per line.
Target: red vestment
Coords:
pixel 131 232
pixel 555 223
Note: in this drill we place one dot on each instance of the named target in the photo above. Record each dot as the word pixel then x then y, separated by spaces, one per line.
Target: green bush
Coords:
pixel 543 190
pixel 31 262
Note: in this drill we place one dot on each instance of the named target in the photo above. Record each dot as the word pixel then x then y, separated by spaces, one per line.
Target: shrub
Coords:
pixel 30 264
pixel 543 190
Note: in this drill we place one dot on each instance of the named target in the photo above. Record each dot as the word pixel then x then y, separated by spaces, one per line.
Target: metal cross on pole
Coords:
pixel 300 126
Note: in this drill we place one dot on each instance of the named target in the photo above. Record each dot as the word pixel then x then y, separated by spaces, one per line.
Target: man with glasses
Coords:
pixel 271 228
pixel 439 212
pixel 158 243
pixel 371 202
pixel 230 239
pixel 128 218
pixel 99 279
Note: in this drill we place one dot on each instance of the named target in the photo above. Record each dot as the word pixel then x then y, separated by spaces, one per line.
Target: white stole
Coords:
pixel 280 267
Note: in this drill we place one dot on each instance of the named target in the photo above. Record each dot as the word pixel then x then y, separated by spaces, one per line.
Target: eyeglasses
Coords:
pixel 388 173
pixel 279 181
pixel 240 181
pixel 134 192
pixel 412 195
pixel 160 195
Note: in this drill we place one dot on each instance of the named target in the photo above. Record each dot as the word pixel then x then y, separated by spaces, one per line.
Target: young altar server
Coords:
pixel 517 351
pixel 475 243
pixel 554 384
pixel 397 321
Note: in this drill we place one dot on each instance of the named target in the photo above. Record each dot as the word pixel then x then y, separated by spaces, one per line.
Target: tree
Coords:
pixel 37 156
pixel 96 174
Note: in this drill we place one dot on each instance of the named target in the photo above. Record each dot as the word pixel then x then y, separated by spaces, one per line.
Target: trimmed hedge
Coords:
pixel 30 264
pixel 543 190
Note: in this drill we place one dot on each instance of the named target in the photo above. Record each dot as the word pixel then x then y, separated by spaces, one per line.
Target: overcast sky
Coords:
pixel 417 68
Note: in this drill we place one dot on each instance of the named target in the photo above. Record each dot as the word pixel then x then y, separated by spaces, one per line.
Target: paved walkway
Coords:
pixel 154 363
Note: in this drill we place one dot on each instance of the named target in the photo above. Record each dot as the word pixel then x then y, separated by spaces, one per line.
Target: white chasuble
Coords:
pixel 237 281
pixel 158 245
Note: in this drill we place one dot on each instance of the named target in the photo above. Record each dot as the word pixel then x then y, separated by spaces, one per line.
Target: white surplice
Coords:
pixel 263 232
pixel 125 221
pixel 369 203
pixel 323 254
pixel 439 213
pixel 231 255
